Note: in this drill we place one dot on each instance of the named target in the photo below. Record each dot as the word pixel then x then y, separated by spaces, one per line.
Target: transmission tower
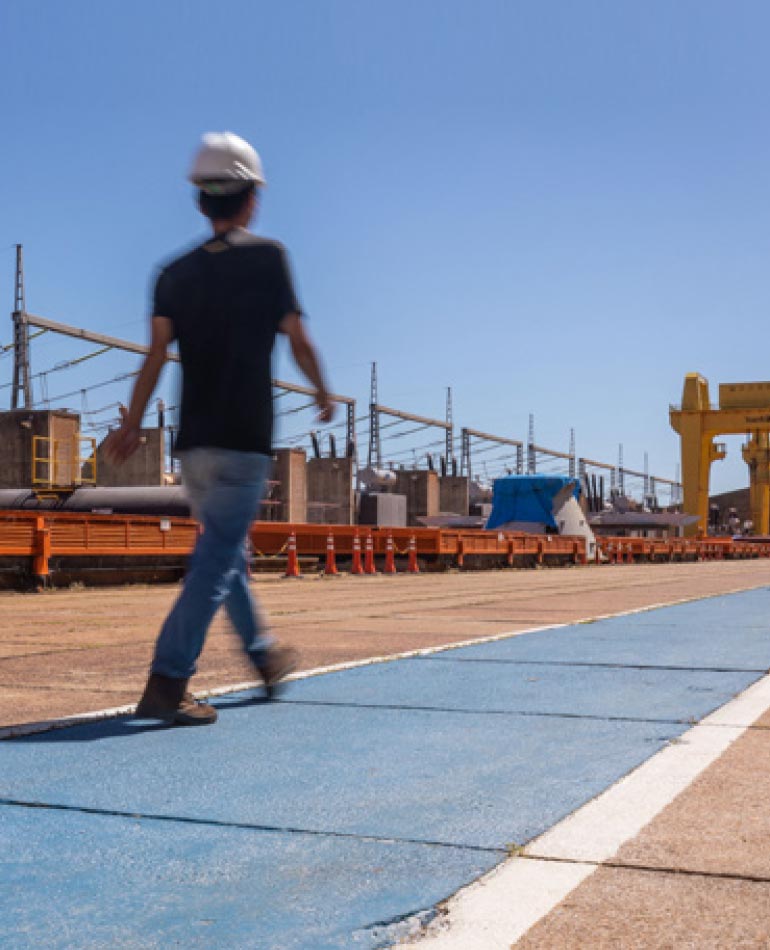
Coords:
pixel 21 384
pixel 572 465
pixel 621 473
pixel 375 447
pixel 531 462
pixel 450 456
pixel 646 476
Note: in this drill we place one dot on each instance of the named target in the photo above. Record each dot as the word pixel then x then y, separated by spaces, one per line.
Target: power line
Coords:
pixel 67 364
pixel 401 435
pixel 295 410
pixel 77 392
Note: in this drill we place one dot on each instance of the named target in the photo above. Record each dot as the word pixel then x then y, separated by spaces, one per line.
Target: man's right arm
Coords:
pixel 306 357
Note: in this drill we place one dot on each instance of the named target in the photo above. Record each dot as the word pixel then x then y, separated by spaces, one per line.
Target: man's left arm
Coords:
pixel 124 441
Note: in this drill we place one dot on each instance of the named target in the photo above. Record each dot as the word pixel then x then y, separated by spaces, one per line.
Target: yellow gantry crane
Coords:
pixel 744 409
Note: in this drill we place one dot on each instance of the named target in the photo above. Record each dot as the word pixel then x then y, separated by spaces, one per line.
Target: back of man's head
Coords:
pixel 227 172
pixel 224 207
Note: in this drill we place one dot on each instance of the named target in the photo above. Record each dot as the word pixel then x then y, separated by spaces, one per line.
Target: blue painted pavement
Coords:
pixel 363 797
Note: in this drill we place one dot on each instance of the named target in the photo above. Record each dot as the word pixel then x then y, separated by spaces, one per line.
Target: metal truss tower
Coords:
pixel 531 461
pixel 375 447
pixel 450 452
pixel 572 459
pixel 621 473
pixel 21 376
pixel 646 476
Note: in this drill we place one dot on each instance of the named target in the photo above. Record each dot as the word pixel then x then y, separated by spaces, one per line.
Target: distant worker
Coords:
pixel 224 303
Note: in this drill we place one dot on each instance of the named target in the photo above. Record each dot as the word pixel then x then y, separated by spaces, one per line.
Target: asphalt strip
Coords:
pixel 499 908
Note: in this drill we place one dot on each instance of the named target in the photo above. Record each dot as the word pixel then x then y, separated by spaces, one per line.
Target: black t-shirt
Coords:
pixel 226 299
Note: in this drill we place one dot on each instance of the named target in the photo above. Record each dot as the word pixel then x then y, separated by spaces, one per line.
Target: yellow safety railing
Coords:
pixel 63 463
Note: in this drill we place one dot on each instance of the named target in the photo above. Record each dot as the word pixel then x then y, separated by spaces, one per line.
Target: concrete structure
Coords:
pixel 383 509
pixel 147 466
pixel 330 491
pixel 59 452
pixel 287 498
pixel 454 496
pixel 422 493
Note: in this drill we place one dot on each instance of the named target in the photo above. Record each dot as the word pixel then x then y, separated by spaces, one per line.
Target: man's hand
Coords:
pixel 326 408
pixel 121 443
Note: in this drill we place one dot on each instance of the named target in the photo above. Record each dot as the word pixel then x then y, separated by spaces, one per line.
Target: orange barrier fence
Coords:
pixel 42 536
pixel 70 534
pixel 455 545
pixel 624 550
pixel 269 538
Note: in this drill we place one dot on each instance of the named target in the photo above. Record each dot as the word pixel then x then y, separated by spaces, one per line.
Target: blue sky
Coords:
pixel 558 208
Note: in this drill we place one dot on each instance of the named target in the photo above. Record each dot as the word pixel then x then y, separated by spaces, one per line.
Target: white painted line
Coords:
pixel 79 719
pixel 47 725
pixel 505 902
pixel 498 909
pixel 29 728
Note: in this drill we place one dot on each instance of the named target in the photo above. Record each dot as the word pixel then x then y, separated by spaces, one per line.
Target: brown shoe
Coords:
pixel 193 712
pixel 273 665
pixel 167 699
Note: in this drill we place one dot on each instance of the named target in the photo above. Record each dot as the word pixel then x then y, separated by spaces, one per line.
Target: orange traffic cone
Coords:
pixel 292 563
pixel 331 562
pixel 369 567
pixel 355 565
pixel 412 565
pixel 390 562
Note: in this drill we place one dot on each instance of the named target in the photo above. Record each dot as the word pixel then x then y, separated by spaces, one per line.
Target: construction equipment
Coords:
pixel 744 408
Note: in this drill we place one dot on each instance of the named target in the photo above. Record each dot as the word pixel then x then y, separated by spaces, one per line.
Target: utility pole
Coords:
pixel 465 454
pixel 621 473
pixel 531 463
pixel 21 383
pixel 351 441
pixel 449 433
pixel 375 448
pixel 646 477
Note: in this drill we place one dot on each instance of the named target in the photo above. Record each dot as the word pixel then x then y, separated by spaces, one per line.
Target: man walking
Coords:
pixel 224 303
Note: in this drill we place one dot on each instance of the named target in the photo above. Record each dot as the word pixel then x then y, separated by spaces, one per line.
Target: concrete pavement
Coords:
pixel 343 815
pixel 66 652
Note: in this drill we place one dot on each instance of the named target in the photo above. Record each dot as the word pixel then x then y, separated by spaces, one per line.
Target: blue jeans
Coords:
pixel 225 489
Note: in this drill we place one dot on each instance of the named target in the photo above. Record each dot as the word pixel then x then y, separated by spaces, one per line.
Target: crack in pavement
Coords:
pixel 591 717
pixel 245 826
pixel 436 658
pixel 651 869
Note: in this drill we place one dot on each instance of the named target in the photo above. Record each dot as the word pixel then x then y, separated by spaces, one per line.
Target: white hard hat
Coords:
pixel 225 163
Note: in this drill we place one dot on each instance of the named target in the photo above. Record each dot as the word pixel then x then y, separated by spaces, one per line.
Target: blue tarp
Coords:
pixel 529 498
